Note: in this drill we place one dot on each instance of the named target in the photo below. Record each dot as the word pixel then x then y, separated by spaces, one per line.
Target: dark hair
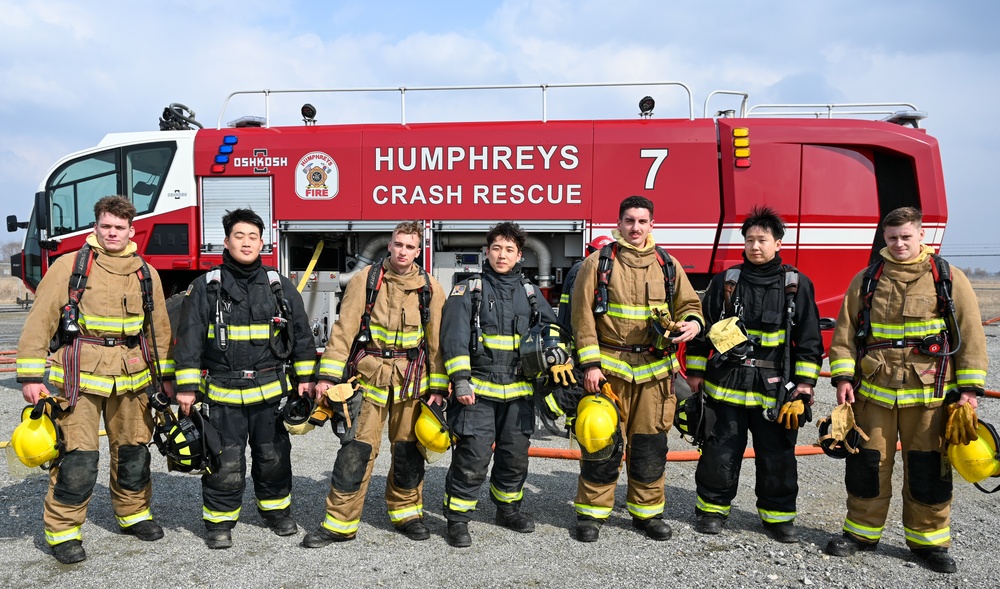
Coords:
pixel 765 218
pixel 902 216
pixel 635 202
pixel 231 218
pixel 507 230
pixel 116 206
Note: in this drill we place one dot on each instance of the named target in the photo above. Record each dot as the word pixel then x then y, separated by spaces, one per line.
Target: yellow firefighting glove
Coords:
pixel 962 423
pixel 790 412
pixel 562 374
pixel 661 314
pixel 726 334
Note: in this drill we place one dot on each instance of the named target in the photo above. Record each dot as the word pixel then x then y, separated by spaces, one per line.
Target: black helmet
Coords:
pixel 183 441
pixel 833 448
pixel 297 410
pixel 544 346
pixel 689 418
pixel 295 414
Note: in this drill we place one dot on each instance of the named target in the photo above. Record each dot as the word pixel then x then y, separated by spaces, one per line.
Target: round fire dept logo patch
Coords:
pixel 316 177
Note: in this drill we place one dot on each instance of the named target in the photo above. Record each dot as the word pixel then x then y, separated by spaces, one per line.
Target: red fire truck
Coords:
pixel 331 194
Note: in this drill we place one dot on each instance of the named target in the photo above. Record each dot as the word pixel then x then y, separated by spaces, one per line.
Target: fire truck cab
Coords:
pixel 331 194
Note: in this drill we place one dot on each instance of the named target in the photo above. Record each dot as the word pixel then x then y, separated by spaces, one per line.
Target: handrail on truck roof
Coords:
pixel 403 90
pixel 828 111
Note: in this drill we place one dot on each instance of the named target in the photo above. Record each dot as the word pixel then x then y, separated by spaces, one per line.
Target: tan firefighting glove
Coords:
pixel 962 424
pixel 726 334
pixel 340 393
pixel 661 314
pixel 301 428
pixel 841 423
pixel 562 374
pixel 790 412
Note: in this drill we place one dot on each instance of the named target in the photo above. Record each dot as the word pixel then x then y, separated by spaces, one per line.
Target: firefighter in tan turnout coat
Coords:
pixel 103 372
pixel 901 386
pixel 619 346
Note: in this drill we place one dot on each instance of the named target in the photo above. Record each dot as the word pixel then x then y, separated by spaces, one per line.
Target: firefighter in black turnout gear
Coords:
pixel 483 322
pixel 763 384
pixel 245 325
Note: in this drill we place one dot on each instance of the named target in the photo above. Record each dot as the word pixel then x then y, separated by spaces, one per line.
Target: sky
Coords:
pixel 70 72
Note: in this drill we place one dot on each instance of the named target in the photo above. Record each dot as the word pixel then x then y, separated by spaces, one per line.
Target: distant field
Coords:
pixel 988 293
pixel 10 289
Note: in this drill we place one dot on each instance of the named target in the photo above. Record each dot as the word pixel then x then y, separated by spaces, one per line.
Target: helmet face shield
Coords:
pixel 433 434
pixel 596 427
pixel 184 441
pixel 978 460
pixel 37 440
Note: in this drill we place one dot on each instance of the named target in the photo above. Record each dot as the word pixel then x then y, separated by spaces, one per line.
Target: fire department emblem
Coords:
pixel 317 177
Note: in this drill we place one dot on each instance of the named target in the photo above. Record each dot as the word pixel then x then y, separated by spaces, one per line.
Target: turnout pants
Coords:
pixel 718 473
pixel 271 471
pixel 479 426
pixel 129 426
pixel 927 482
pixel 647 411
pixel 352 470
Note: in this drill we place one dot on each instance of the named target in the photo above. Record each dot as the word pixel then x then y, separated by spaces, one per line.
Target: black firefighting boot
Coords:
pixel 415 529
pixel 218 536
pixel 655 528
pixel 321 537
pixel 146 530
pixel 588 530
pixel 709 524
pixel 512 518
pixel 281 523
pixel 847 545
pixel 69 552
pixel 458 535
pixel 783 532
pixel 936 558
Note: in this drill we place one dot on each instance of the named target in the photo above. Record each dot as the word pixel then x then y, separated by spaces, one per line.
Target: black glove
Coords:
pixel 562 401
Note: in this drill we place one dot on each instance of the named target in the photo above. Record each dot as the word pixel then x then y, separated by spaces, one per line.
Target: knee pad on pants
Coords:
pixel 408 465
pixel 229 475
pixel 604 472
pixel 716 468
pixel 349 468
pixel 928 484
pixel 76 477
pixel 861 474
pixel 647 457
pixel 133 467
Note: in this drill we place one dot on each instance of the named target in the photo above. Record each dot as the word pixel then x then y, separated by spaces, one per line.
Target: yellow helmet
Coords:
pixel 595 426
pixel 978 460
pixel 432 431
pixel 37 439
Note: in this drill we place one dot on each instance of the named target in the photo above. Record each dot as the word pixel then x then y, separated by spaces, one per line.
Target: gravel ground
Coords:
pixel 742 556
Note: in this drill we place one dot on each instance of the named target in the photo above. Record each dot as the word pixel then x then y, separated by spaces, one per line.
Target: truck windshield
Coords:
pixel 134 171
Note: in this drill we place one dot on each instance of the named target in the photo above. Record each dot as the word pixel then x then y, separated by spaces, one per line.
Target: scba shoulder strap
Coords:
pixel 606 263
pixel 280 340
pixel 475 283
